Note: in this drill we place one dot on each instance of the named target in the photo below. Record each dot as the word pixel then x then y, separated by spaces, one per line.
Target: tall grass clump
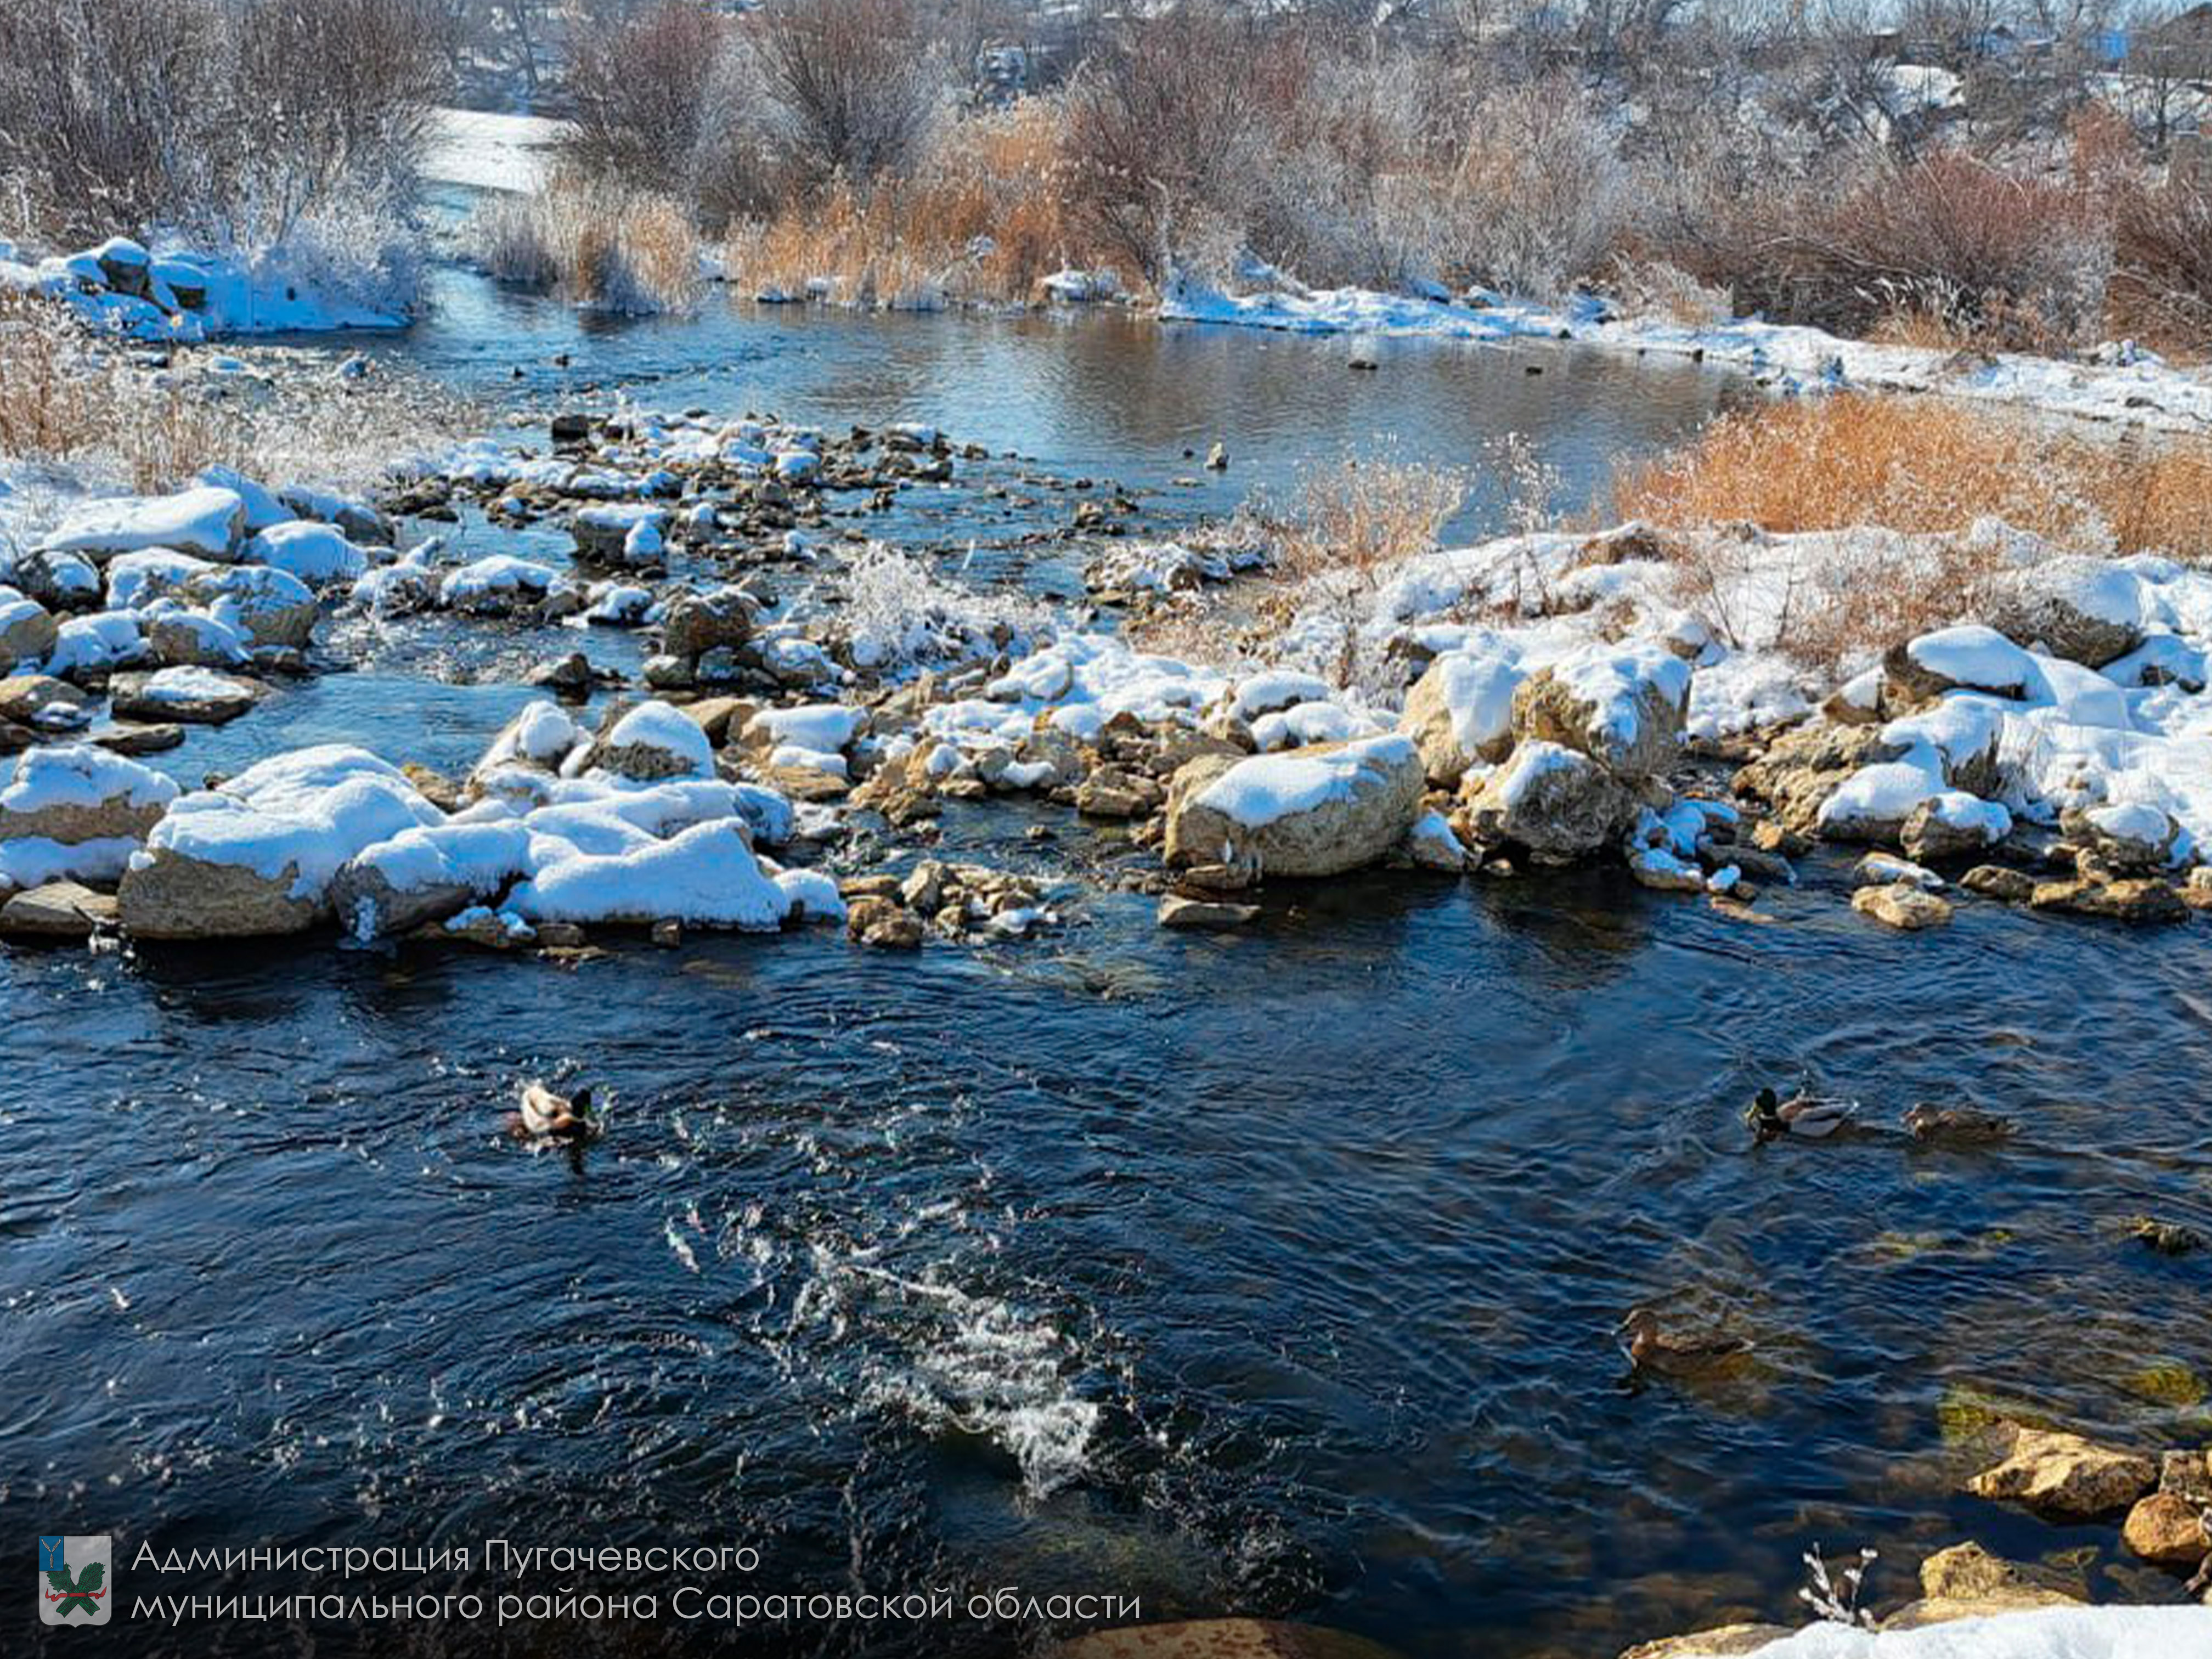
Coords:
pixel 598 243
pixel 1928 465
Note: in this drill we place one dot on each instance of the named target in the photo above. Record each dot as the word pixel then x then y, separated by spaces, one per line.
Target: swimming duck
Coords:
pixel 1771 1117
pixel 1651 1347
pixel 546 1116
pixel 1956 1126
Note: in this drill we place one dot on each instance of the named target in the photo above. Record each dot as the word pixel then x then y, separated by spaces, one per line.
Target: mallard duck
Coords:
pixel 1652 1348
pixel 1811 1116
pixel 546 1116
pixel 1956 1126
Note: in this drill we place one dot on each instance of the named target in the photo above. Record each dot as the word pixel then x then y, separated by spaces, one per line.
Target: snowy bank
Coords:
pixel 2135 387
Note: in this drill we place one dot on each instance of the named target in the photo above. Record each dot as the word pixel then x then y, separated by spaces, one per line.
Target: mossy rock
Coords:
pixel 2168 1383
pixel 1965 1413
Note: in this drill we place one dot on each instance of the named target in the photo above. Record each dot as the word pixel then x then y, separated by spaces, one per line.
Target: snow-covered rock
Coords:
pixel 77 793
pixel 257 856
pixel 425 874
pixel 27 633
pixel 1624 707
pixel 1557 802
pixel 1305 812
pixel 201 696
pixel 706 875
pixel 204 520
pixel 1460 711
pixel 2089 611
pixel 654 741
pixel 318 554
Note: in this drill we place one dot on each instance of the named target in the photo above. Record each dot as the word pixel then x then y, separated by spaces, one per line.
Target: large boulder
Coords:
pixel 257 855
pixel 2087 610
pixel 174 896
pixel 207 521
pixel 1622 707
pixel 192 639
pixel 77 793
pixel 265 606
pixel 27 633
pixel 2066 1477
pixel 1556 802
pixel 1313 811
pixel 1460 712
pixel 1972 656
pixel 698 623
pixel 58 580
pixel 1967 1572
pixel 425 874
pixel 2131 839
pixel 316 554
pixel 654 741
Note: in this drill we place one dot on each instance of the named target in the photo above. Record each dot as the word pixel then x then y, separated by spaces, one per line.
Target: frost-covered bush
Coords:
pixel 229 121
pixel 596 240
pixel 897 612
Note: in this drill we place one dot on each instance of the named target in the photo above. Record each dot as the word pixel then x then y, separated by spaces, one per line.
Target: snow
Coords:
pixel 1267 788
pixel 1885 791
pixel 263 509
pixel 496 577
pixel 1477 687
pixel 2108 1633
pixel 35 860
pixel 204 520
pixel 542 733
pixel 315 553
pixel 827 727
pixel 101 641
pixel 1974 656
pixel 1264 693
pixel 706 875
pixel 183 685
pixel 306 813
pixel 83 774
pixel 1305 723
pixel 657 726
pixel 486 151
pixel 134 578
pixel 811 893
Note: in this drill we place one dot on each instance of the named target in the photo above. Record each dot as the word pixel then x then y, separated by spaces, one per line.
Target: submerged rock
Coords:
pixel 1177 911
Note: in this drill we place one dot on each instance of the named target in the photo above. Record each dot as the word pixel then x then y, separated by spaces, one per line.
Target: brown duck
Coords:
pixel 1652 1348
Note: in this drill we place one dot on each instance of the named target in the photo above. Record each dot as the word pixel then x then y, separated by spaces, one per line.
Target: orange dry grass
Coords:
pixel 981 221
pixel 61 401
pixel 1922 464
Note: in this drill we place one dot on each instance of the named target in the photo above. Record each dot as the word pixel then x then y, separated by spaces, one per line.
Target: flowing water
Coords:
pixel 1270 1274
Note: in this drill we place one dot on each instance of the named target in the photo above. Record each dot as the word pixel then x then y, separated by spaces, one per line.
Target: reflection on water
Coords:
pixel 1264 1274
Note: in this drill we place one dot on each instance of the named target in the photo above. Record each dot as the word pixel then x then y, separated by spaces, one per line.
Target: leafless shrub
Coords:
pixel 855 83
pixel 1539 196
pixel 227 120
pixel 640 93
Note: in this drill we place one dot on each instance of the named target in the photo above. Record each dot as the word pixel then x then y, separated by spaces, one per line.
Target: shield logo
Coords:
pixel 76 1578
